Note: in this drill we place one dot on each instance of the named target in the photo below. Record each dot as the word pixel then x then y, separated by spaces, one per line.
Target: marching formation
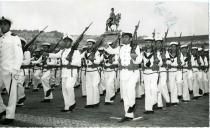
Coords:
pixel 164 74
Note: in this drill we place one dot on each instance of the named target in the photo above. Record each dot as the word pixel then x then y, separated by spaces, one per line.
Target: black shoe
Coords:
pixel 48 92
pixel 124 119
pixel 77 86
pixel 138 98
pixel 27 87
pixel 190 91
pixel 149 112
pixel 39 85
pixel 83 96
pixel 154 106
pixel 179 97
pixel 168 104
pixel 205 94
pixel 118 90
pixel 7 121
pixel 96 105
pixel 159 108
pixel 21 100
pixel 131 109
pixel 185 101
pixel 72 107
pixel 107 103
pixel 121 100
pixel 2 114
pixel 63 110
pixel 200 91
pixel 20 105
pixel 174 104
pixel 46 101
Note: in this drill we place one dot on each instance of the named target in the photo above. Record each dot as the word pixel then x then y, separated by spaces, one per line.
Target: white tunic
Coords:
pixel 11 54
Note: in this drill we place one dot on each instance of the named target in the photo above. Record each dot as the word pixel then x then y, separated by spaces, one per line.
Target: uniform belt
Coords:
pixel 70 66
pixel 111 67
pixel 93 66
pixel 129 67
pixel 26 66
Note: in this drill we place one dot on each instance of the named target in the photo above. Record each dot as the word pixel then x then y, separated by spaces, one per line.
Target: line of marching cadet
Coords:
pixel 169 74
pixel 114 68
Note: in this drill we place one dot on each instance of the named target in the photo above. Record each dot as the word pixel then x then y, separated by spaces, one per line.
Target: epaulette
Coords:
pixel 13 34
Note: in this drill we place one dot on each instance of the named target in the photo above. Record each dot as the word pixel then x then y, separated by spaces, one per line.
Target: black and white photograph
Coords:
pixel 104 63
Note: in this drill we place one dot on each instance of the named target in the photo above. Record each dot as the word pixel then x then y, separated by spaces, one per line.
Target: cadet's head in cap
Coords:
pixel 90 43
pixel 158 42
pixel 148 43
pixel 46 46
pixel 126 38
pixel 184 49
pixel 174 46
pixel 194 50
pixel 67 41
pixel 5 24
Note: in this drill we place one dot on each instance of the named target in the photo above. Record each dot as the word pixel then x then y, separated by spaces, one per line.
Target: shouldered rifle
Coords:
pixel 190 53
pixel 179 52
pixel 134 40
pixel 76 44
pixel 32 41
pixel 51 50
pixel 96 46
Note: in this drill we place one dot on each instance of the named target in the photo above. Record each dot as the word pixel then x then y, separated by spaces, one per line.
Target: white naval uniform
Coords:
pixel 195 77
pixel 129 76
pixel 110 76
pixel 11 58
pixel 83 78
pixel 175 78
pixel 69 75
pixel 205 83
pixel 150 81
pixel 37 73
pixel 162 85
pixel 187 80
pixel 45 79
pixel 22 75
pixel 92 79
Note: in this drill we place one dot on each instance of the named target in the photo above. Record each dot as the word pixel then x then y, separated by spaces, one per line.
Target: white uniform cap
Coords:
pixel 68 36
pixel 148 38
pixel 46 44
pixel 159 39
pixel 174 43
pixel 206 50
pixel 194 47
pixel 199 49
pixel 91 40
pixel 109 42
pixel 183 46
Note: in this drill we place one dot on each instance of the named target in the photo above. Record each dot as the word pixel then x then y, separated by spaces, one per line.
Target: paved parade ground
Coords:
pixel 34 113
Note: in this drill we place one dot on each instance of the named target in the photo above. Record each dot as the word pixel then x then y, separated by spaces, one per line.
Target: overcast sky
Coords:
pixel 72 16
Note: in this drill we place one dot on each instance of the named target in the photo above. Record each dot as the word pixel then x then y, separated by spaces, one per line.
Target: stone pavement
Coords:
pixel 34 113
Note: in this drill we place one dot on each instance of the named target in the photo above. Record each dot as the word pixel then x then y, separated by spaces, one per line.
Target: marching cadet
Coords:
pixel 162 84
pixel 102 88
pixel 83 72
pixel 186 74
pixel 150 75
pixel 37 72
pixel 206 53
pixel 69 72
pixel 129 74
pixel 110 65
pixel 175 73
pixel 203 65
pixel 11 58
pixel 46 74
pixel 23 74
pixel 92 75
pixel 195 61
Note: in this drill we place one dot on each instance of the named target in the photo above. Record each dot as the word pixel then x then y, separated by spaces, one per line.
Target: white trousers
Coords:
pixel 92 87
pixel 83 79
pixel 195 81
pixel 117 81
pixel 140 86
pixel 109 82
pixel 180 82
pixel 20 88
pixel 102 84
pixel 187 78
pixel 68 83
pixel 175 79
pixel 163 89
pixel 128 80
pixel 46 84
pixel 205 82
pixel 10 82
pixel 36 78
pixel 150 81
